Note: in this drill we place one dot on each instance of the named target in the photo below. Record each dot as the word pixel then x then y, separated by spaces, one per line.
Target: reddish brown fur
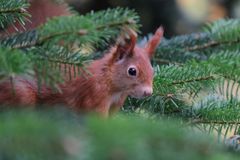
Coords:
pixel 19 92
pixel 154 41
pixel 104 90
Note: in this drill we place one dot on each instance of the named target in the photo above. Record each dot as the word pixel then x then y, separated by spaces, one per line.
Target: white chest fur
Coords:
pixel 115 98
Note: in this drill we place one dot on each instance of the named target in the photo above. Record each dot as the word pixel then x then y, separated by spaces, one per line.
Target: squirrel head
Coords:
pixel 131 67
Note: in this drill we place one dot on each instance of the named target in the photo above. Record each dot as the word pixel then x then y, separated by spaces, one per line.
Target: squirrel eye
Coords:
pixel 132 71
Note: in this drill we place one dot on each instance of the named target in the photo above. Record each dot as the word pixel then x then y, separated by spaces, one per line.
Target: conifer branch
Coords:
pixel 200 121
pixel 85 29
pixel 166 62
pixel 218 36
pixel 83 32
pixel 211 44
pixel 12 11
pixel 193 80
pixel 41 40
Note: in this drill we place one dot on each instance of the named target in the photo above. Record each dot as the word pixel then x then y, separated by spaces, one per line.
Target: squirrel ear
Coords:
pixel 153 43
pixel 125 44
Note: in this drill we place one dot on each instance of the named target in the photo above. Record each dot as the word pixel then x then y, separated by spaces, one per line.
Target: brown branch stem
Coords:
pixel 164 61
pixel 214 122
pixel 210 44
pixel 81 32
pixel 193 80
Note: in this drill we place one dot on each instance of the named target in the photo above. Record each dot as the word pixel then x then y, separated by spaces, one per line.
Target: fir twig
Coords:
pixel 193 80
pixel 211 44
pixel 199 121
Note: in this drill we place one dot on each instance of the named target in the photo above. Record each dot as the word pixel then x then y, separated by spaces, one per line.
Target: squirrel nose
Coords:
pixel 147 92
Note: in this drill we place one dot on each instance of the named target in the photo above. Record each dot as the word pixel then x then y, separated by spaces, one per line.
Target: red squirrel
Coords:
pixel 124 71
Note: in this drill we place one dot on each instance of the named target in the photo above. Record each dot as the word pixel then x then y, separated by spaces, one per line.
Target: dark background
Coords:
pixel 177 16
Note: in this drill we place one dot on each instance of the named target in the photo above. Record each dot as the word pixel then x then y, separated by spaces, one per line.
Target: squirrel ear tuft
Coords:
pixel 153 43
pixel 125 44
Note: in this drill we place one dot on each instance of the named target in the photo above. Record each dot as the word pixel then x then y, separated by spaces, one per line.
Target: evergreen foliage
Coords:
pixel 197 78
pixel 81 34
pixel 66 136
pixel 196 82
pixel 12 11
